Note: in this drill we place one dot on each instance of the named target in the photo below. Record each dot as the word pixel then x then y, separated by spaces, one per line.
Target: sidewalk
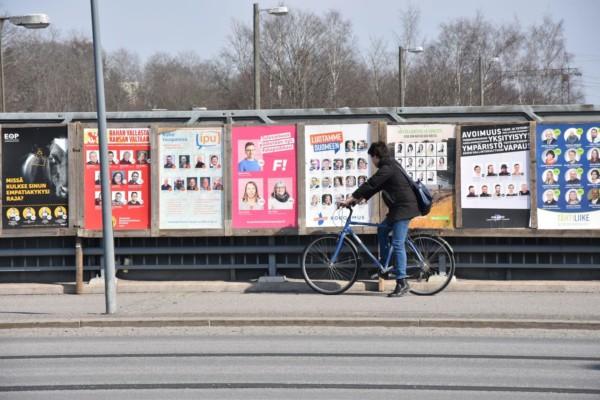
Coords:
pixel 474 304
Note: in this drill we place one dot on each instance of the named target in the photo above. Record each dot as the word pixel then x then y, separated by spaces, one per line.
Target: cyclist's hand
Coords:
pixel 349 202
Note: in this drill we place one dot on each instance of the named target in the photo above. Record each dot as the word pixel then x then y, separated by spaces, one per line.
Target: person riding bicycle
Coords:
pixel 401 202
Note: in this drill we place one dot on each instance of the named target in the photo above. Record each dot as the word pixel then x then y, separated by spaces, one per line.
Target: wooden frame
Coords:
pixel 155 168
pixel 71 176
pixel 374 133
pixel 93 233
pixel 259 231
pixel 383 135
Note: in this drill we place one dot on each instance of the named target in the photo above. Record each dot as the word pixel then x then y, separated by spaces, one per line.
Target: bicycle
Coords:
pixel 330 264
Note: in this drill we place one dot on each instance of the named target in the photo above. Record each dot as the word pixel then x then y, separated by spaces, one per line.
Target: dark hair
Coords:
pixel 378 149
pixel 248 144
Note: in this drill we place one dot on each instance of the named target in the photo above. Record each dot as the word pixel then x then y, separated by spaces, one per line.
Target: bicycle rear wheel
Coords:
pixel 324 276
pixel 432 269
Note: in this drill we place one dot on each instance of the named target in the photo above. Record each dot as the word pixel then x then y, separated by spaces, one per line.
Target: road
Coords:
pixel 298 363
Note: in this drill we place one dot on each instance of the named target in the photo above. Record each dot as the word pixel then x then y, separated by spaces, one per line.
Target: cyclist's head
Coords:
pixel 378 151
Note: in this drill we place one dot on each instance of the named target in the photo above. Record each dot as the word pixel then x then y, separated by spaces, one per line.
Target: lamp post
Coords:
pixel 29 21
pixel 401 61
pixel 481 87
pixel 281 10
pixel 110 285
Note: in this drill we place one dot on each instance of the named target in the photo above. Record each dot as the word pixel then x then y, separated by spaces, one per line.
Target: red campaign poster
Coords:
pixel 264 177
pixel 129 158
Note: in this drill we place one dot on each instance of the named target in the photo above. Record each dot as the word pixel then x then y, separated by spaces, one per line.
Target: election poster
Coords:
pixel 129 164
pixel 264 177
pixel 191 178
pixel 495 189
pixel 336 164
pixel 568 176
pixel 427 153
pixel 35 187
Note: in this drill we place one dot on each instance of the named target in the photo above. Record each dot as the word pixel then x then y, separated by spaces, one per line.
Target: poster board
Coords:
pixel 494 176
pixel 191 186
pixel 568 176
pixel 427 153
pixel 35 178
pixel 263 175
pixel 129 158
pixel 335 164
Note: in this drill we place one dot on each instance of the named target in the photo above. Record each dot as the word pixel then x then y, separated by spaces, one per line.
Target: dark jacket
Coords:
pixel 396 191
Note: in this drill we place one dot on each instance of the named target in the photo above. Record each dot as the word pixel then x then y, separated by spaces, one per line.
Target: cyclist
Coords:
pixel 401 202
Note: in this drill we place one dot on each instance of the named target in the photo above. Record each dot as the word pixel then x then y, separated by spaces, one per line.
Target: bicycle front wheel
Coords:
pixel 328 277
pixel 431 268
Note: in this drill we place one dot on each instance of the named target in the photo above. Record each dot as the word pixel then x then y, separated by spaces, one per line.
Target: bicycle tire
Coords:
pixel 436 273
pixel 322 276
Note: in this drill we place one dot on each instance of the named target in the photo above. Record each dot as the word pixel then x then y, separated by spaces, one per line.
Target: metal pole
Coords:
pixel 256 57
pixel 1 68
pixel 481 80
pixel 107 231
pixel 78 266
pixel 401 75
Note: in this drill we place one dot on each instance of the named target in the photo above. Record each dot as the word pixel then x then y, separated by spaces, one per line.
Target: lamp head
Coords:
pixel 31 21
pixel 281 10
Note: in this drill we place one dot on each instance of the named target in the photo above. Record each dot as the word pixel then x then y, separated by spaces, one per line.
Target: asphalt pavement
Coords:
pixel 476 304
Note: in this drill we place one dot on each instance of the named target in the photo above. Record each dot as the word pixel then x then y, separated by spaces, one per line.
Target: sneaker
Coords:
pixel 401 288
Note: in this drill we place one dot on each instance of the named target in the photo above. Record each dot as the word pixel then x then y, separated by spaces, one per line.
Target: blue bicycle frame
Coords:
pixel 347 231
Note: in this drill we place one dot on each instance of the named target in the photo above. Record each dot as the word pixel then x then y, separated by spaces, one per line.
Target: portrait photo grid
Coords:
pixel 568 176
pixel 337 163
pixel 191 179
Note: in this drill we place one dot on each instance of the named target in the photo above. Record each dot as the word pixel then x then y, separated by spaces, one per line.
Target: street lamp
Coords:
pixel 401 57
pixel 30 21
pixel 481 90
pixel 277 11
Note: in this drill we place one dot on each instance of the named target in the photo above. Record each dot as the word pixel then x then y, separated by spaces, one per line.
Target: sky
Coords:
pixel 202 26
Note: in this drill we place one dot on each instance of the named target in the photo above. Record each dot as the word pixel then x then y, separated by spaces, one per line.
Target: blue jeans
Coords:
pixel 399 231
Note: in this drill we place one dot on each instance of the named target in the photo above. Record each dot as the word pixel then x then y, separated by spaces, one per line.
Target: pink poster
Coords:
pixel 264 177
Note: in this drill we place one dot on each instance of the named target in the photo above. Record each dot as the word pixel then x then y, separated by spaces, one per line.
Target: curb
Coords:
pixel 296 322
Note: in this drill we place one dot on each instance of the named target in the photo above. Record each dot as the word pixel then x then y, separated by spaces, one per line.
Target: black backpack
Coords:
pixel 424 197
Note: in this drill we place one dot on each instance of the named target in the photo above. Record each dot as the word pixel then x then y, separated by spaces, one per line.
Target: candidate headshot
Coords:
pixel 134 199
pixel 249 163
pixel 549 199
pixel 135 178
pixel 184 161
pixel 92 157
pixel 314 164
pixel 126 158
pixel 350 145
pixel 548 137
pixel 280 197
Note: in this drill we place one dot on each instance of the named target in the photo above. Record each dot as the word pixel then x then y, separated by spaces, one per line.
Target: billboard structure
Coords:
pixel 191 178
pixel 129 159
pixel 495 190
pixel 35 187
pixel 568 176
pixel 264 177
pixel 427 153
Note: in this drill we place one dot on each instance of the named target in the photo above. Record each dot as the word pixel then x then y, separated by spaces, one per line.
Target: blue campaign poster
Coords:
pixel 568 176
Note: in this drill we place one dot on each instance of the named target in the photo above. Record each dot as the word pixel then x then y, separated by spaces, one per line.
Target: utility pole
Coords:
pixel 110 290
pixel 401 76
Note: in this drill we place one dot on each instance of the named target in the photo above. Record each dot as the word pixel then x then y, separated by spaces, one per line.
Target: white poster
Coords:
pixel 191 178
pixel 336 163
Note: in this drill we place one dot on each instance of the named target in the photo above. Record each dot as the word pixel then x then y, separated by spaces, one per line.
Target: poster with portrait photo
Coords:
pixel 261 154
pixel 347 146
pixel 34 176
pixel 429 155
pixel 489 156
pixel 569 162
pixel 183 203
pixel 127 146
